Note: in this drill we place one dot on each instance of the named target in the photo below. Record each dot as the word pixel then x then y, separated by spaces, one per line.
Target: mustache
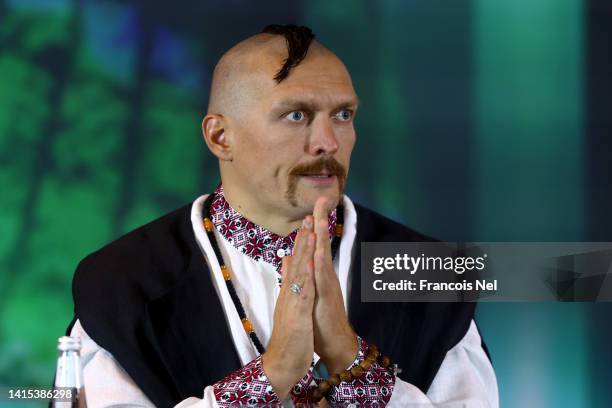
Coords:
pixel 323 164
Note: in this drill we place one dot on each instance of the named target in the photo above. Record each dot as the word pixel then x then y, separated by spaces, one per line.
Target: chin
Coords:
pixel 307 200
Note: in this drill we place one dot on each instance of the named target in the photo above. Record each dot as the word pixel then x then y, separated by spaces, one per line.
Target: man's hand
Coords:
pixel 291 346
pixel 334 339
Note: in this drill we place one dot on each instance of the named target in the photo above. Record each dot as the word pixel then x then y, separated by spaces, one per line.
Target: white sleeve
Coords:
pixel 465 379
pixel 107 384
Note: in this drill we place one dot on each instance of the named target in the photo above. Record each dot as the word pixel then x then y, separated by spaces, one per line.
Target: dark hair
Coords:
pixel 298 40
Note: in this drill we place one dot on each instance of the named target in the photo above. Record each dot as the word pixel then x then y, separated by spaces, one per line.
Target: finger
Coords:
pixel 307 226
pixel 288 278
pixel 302 270
pixel 302 274
pixel 307 275
pixel 296 269
pixel 321 227
pixel 309 282
pixel 285 265
pixel 296 257
pixel 321 213
pixel 285 268
pixel 308 223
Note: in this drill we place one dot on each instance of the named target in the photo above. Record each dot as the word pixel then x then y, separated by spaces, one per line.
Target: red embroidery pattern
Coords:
pixel 372 389
pixel 250 238
pixel 301 390
pixel 247 386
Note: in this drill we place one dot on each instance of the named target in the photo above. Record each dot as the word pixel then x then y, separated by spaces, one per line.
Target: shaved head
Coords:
pixel 253 65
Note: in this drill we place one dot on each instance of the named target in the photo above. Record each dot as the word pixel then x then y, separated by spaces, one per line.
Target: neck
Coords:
pixel 270 219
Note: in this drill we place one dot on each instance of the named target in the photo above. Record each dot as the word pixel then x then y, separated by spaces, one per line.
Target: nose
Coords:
pixel 323 139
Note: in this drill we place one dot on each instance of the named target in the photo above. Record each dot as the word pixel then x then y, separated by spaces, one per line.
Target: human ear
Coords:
pixel 214 132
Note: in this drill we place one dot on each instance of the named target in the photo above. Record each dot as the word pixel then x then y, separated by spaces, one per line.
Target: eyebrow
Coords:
pixel 312 106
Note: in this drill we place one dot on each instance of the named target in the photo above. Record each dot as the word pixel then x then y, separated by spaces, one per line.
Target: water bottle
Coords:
pixel 69 374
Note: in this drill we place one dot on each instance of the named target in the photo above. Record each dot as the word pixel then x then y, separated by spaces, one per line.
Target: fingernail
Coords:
pixel 307 223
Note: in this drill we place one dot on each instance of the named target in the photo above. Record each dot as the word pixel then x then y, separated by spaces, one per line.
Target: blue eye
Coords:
pixel 344 115
pixel 295 116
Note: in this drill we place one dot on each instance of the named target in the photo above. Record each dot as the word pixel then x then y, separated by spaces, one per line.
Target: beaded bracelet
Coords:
pixel 357 371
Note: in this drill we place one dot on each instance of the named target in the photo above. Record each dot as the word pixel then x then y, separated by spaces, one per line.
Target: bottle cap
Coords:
pixel 67 343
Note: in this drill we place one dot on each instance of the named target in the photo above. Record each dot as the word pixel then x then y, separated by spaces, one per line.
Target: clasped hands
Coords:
pixel 314 320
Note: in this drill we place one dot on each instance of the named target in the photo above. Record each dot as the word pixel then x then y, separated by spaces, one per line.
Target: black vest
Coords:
pixel 148 299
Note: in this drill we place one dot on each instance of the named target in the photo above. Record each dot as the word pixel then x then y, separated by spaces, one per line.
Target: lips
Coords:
pixel 318 175
pixel 319 179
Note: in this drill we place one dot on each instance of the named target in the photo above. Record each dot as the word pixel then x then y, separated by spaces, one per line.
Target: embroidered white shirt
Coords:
pixel 465 378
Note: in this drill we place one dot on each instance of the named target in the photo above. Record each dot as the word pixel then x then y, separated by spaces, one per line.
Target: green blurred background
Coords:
pixel 481 120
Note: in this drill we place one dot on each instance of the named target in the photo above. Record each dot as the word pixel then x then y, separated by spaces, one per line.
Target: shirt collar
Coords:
pixel 251 239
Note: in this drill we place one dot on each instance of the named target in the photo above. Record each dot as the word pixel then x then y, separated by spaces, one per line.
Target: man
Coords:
pixel 242 296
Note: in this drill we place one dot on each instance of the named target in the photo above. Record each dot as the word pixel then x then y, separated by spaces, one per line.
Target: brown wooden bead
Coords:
pixel 357 371
pixel 384 361
pixel 226 273
pixel 334 379
pixel 208 225
pixel 248 327
pixel 365 364
pixel 315 395
pixel 372 356
pixel 346 376
pixel 324 387
pixel 339 230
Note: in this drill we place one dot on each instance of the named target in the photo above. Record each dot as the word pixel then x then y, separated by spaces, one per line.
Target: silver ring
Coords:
pixel 295 288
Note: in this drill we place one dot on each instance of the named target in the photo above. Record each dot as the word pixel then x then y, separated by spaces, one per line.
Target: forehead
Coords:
pixel 322 79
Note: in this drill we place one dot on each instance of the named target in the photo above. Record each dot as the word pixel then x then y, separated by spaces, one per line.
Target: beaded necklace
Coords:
pixel 246 323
